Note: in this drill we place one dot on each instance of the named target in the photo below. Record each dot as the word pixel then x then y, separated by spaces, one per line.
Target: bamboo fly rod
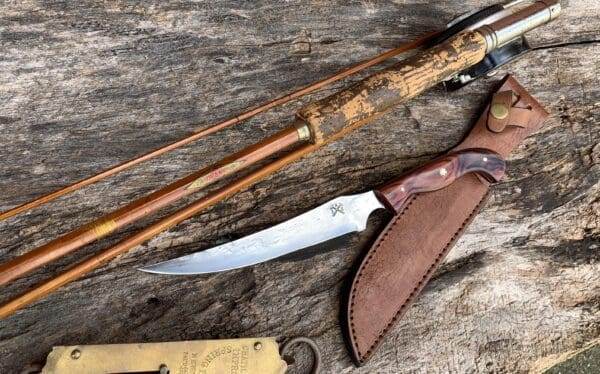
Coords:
pixel 215 128
pixel 94 261
pixel 184 187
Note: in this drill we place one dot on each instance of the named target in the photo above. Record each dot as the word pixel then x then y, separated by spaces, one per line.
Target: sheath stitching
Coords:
pixel 419 285
pixel 368 259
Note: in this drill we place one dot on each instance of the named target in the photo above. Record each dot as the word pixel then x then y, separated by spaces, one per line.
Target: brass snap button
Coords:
pixel 499 111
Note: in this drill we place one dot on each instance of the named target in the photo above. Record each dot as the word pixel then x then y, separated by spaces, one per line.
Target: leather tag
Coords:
pixel 415 242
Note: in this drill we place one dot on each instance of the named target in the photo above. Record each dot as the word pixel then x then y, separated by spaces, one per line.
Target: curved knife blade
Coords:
pixel 335 218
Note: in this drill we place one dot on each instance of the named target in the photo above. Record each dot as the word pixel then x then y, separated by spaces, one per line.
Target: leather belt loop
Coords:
pixel 504 112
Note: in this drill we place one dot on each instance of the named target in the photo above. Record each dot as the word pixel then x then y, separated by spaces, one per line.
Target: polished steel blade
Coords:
pixel 337 217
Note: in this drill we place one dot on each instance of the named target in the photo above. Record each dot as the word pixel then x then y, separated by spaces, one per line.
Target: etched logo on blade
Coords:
pixel 336 208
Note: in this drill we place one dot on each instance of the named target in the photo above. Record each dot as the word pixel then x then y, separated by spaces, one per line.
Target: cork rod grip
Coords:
pixel 381 91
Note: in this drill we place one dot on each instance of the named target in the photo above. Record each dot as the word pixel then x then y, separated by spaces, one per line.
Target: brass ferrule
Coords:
pixel 303 131
pixel 508 28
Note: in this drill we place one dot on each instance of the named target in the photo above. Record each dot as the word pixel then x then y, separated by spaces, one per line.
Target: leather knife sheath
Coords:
pixel 411 247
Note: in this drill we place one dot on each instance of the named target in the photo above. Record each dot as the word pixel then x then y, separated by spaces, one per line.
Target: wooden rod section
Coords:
pixel 147 205
pixel 215 128
pixel 94 261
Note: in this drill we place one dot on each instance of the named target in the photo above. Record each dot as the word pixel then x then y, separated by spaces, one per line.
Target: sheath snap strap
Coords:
pixel 505 112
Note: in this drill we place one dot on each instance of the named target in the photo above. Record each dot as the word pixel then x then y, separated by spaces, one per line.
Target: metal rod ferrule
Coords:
pixel 303 130
pixel 506 29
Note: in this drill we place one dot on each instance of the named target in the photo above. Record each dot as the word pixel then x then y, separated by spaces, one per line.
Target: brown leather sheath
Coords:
pixel 412 246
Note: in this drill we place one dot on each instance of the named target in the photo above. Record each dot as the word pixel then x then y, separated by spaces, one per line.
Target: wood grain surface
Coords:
pixel 88 84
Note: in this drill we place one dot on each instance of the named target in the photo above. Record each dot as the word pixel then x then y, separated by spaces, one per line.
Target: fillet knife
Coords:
pixel 335 218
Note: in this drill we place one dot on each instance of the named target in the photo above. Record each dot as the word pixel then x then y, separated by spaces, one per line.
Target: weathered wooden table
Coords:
pixel 85 85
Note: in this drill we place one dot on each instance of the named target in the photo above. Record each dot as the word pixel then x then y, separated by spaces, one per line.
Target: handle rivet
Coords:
pixel 485 159
pixel 402 189
pixel 257 346
pixel 75 354
pixel 443 172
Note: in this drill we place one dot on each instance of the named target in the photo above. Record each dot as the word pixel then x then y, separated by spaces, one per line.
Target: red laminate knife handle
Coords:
pixel 442 172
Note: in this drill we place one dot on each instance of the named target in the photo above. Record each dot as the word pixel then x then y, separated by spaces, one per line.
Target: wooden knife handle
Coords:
pixel 441 173
pixel 333 116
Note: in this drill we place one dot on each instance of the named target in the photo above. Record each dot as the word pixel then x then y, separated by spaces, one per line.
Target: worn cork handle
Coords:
pixel 383 90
